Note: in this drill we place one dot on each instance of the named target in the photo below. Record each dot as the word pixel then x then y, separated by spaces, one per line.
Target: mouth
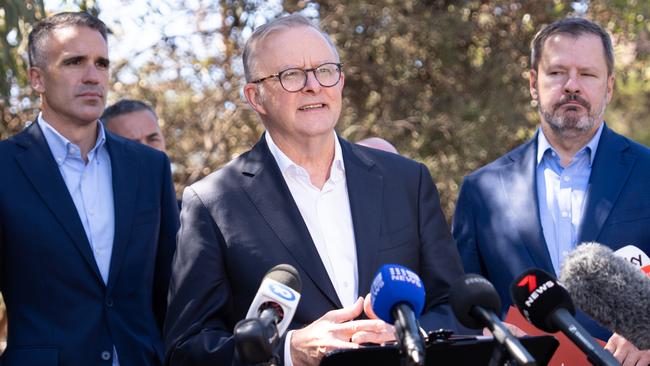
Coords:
pixel 311 107
pixel 90 95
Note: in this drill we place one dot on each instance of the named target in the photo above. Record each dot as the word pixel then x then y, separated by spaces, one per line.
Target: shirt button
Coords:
pixel 345 284
pixel 106 355
pixel 565 214
pixel 567 178
pixel 109 302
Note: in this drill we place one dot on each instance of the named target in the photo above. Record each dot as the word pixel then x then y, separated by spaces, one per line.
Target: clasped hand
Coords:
pixel 337 329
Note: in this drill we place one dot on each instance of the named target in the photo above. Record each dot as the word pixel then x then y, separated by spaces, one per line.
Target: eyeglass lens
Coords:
pixel 327 75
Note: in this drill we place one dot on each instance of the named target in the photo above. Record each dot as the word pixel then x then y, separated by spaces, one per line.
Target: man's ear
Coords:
pixel 36 79
pixel 533 84
pixel 254 97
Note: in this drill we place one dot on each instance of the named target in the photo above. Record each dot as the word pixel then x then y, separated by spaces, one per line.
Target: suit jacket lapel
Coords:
pixel 610 171
pixel 365 187
pixel 41 169
pixel 124 169
pixel 519 184
pixel 268 191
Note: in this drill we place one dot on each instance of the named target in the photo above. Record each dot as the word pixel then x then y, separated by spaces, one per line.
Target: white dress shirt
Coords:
pixel 327 214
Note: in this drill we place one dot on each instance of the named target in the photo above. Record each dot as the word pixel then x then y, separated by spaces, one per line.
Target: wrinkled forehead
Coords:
pixel 585 49
pixel 291 46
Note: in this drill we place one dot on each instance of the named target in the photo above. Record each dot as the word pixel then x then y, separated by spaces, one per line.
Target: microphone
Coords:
pixel 475 303
pixel 397 297
pixel 269 315
pixel 636 257
pixel 548 306
pixel 610 290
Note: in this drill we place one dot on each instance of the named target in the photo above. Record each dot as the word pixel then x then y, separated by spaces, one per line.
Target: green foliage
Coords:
pixel 445 81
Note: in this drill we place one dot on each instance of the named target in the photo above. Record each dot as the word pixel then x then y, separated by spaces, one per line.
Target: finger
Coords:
pixel 612 343
pixel 515 330
pixel 645 359
pixel 334 343
pixel 345 314
pixel 367 308
pixel 372 337
pixel 631 359
pixel 621 353
pixel 370 325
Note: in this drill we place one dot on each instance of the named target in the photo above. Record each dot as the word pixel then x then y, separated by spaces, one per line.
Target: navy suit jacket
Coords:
pixel 497 224
pixel 240 221
pixel 60 312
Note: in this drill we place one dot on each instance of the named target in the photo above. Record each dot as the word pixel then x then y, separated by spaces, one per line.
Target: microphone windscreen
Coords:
pixel 537 295
pixel 473 290
pixel 395 284
pixel 610 290
pixel 287 275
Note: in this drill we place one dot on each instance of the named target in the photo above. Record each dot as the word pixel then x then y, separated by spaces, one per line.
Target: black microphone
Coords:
pixel 475 303
pixel 548 306
pixel 611 290
pixel 269 315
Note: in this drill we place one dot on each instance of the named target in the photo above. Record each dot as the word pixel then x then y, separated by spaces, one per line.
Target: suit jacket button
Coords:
pixel 109 302
pixel 106 355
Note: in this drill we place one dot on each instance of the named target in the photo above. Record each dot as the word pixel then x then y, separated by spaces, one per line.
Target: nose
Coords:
pixel 91 75
pixel 312 85
pixel 572 85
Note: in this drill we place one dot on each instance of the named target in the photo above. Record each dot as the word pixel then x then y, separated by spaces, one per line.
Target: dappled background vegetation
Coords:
pixel 445 81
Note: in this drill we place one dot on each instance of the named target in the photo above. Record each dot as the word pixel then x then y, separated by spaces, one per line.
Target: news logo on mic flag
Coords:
pixel 394 282
pixel 536 293
pixel 636 257
pixel 273 293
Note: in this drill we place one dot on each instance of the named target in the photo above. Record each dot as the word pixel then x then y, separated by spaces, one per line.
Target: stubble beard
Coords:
pixel 571 123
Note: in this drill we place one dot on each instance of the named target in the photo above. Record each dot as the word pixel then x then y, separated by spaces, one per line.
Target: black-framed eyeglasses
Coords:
pixel 295 79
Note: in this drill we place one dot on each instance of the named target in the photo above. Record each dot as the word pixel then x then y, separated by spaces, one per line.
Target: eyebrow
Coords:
pixel 101 59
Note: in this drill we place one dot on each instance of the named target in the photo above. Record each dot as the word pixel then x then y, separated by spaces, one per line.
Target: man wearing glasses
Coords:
pixel 306 197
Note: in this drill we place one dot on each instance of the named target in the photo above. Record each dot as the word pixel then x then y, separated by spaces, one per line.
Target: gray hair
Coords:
pixel 575 27
pixel 41 31
pixel 264 31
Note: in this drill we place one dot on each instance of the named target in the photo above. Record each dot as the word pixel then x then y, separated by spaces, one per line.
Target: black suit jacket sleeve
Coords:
pixel 195 332
pixel 169 224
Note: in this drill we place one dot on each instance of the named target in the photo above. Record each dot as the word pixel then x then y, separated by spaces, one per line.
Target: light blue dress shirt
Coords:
pixel 91 188
pixel 562 193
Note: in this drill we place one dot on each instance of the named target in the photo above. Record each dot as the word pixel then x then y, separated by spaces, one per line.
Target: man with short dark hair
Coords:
pixel 305 197
pixel 575 181
pixel 134 120
pixel 87 219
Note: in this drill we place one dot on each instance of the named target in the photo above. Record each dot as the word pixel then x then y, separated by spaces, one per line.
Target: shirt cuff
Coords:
pixel 287 349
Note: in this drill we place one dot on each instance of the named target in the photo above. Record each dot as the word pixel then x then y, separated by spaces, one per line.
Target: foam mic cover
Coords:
pixel 611 290
pixel 395 284
pixel 537 294
pixel 469 291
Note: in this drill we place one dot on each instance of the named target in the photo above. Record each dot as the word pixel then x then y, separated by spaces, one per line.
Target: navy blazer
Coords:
pixel 60 312
pixel 240 221
pixel 497 225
